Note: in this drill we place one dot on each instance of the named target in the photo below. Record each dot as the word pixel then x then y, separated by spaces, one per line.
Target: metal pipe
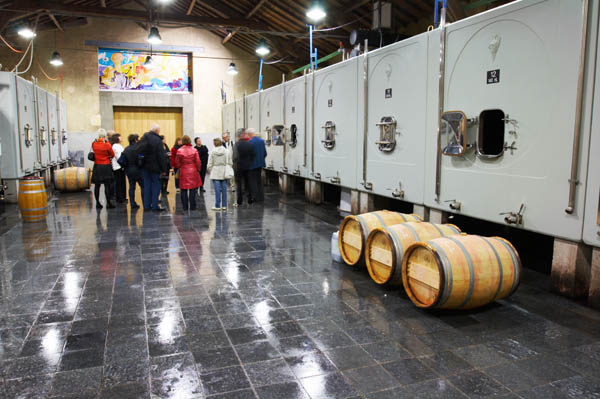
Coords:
pixel 37 120
pixel 60 154
pixel 244 116
pixel 365 113
pixel 305 119
pixel 573 181
pixel 326 58
pixel 19 123
pixel 438 161
pixel 283 116
pixel 312 121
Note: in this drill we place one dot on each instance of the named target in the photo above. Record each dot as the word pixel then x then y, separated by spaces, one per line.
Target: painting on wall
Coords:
pixel 130 70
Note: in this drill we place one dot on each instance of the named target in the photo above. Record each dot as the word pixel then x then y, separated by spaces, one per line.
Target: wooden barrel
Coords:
pixel 354 231
pixel 32 199
pixel 386 246
pixel 460 272
pixel 72 179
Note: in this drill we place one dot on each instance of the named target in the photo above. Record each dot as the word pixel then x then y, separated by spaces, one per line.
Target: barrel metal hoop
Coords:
pixel 34 209
pixel 396 266
pixel 403 217
pixel 34 192
pixel 413 231
pixel 515 261
pixel 471 272
pixel 363 226
pixel 438 229
pixel 378 216
pixel 447 273
pixel 500 271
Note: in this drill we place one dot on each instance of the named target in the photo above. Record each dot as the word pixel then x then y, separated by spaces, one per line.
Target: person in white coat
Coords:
pixel 220 165
pixel 120 186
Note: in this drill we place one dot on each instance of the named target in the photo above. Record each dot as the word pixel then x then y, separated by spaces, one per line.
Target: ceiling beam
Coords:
pixel 53 18
pixel 220 8
pixel 249 15
pixel 191 7
pixel 132 15
pixel 103 3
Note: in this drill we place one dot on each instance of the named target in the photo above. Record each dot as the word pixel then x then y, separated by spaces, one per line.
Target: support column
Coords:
pixel 422 211
pixel 11 194
pixel 313 191
pixel 594 293
pixel 571 268
pixel 286 183
pixel 354 202
pixel 437 216
pixel 367 202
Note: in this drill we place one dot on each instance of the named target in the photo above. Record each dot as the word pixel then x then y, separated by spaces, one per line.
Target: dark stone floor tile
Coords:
pixel 476 384
pixel 269 372
pixel 224 380
pixel 238 321
pixel 165 367
pixel 125 371
pixel 287 390
pixel 544 392
pixel 330 386
pixel 295 346
pixel 370 379
pixel 446 363
pixel 92 340
pixel 76 382
pixel 216 359
pixel 256 352
pixel 386 351
pixel 350 357
pixel 332 340
pixel 432 389
pixel 293 300
pixel 168 346
pixel 89 326
pixel 140 390
pixel 409 371
pixel 310 364
pixel 514 377
pixel 29 366
pixel 29 387
pixel 241 394
pixel 546 368
pixel 245 335
pixel 579 387
pixel 81 359
pixel 480 355
pixel 210 340
pixel 272 315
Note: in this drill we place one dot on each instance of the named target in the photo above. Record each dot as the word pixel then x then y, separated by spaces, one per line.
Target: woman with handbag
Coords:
pixel 220 167
pixel 187 162
pixel 102 174
pixel 119 172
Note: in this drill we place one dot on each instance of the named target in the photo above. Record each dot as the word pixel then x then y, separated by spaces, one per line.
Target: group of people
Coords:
pixel 147 161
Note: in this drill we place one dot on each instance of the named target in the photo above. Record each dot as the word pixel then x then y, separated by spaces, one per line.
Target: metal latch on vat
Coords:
pixel 27 129
pixel 515 218
pixel 330 132
pixel 387 134
pixel 335 179
pixel 43 135
pixel 268 135
pixel 296 172
pixel 454 205
pixel 53 136
pixel 64 136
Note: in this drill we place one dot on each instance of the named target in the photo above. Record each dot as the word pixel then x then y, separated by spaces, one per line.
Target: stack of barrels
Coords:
pixel 438 265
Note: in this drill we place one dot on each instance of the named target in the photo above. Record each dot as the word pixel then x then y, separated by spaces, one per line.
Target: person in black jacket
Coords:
pixel 243 155
pixel 203 153
pixel 155 164
pixel 132 170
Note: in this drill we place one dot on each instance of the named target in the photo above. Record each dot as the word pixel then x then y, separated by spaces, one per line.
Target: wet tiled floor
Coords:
pixel 247 304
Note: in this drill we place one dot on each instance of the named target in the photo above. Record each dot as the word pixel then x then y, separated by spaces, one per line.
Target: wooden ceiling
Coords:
pixel 241 23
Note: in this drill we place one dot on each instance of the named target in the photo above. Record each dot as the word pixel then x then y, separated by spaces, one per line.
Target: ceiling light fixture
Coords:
pixel 154 36
pixel 316 12
pixel 56 59
pixel 26 32
pixel 232 70
pixel 262 49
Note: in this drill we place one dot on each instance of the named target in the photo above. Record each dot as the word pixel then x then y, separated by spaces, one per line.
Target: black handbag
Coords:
pixel 91 155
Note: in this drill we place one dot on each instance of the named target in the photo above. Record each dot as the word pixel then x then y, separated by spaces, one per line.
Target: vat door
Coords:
pixel 453 134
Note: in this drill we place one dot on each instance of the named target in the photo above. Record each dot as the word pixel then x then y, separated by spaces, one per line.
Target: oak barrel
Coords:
pixel 33 201
pixel 354 231
pixel 72 179
pixel 460 272
pixel 386 246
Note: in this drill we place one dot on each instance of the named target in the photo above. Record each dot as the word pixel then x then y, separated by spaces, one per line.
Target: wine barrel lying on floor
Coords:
pixel 72 179
pixel 386 246
pixel 460 272
pixel 354 231
pixel 33 200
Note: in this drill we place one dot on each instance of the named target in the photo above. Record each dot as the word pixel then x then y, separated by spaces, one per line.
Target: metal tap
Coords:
pixel 512 147
pixel 335 179
pixel 397 192
pixel 297 171
pixel 515 218
pixel 454 205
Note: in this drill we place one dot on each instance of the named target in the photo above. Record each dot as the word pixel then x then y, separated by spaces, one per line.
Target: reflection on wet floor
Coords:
pixel 248 304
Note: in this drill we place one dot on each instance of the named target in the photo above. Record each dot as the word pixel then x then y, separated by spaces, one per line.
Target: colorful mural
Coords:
pixel 131 70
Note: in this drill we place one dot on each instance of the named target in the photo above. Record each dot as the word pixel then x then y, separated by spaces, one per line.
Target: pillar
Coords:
pixel 354 202
pixel 367 202
pixel 594 293
pixel 11 193
pixel 571 268
pixel 313 191
pixel 422 211
pixel 286 183
pixel 437 216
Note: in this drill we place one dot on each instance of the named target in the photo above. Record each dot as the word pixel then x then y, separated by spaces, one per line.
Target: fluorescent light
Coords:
pixel 232 70
pixel 27 32
pixel 56 59
pixel 262 48
pixel 316 12
pixel 154 36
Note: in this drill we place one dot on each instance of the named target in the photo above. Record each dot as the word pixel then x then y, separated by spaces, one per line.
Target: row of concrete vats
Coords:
pixel 438 266
pixel 33 133
pixel 495 117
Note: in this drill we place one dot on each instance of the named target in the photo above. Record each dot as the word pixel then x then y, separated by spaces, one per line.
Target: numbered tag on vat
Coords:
pixel 330 103
pixel 388 93
pixel 493 76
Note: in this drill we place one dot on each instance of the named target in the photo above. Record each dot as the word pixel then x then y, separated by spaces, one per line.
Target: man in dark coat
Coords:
pixel 258 163
pixel 203 153
pixel 243 155
pixel 155 163
pixel 132 169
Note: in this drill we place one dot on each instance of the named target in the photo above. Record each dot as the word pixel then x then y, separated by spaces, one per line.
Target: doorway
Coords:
pixel 128 120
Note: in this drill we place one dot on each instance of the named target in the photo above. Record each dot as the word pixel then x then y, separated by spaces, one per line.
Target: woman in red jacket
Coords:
pixel 188 163
pixel 176 146
pixel 103 172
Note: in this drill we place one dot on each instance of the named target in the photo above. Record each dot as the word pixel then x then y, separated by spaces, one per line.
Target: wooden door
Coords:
pixel 128 120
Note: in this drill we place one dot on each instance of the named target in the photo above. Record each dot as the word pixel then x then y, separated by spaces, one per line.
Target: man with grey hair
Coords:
pixel 154 164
